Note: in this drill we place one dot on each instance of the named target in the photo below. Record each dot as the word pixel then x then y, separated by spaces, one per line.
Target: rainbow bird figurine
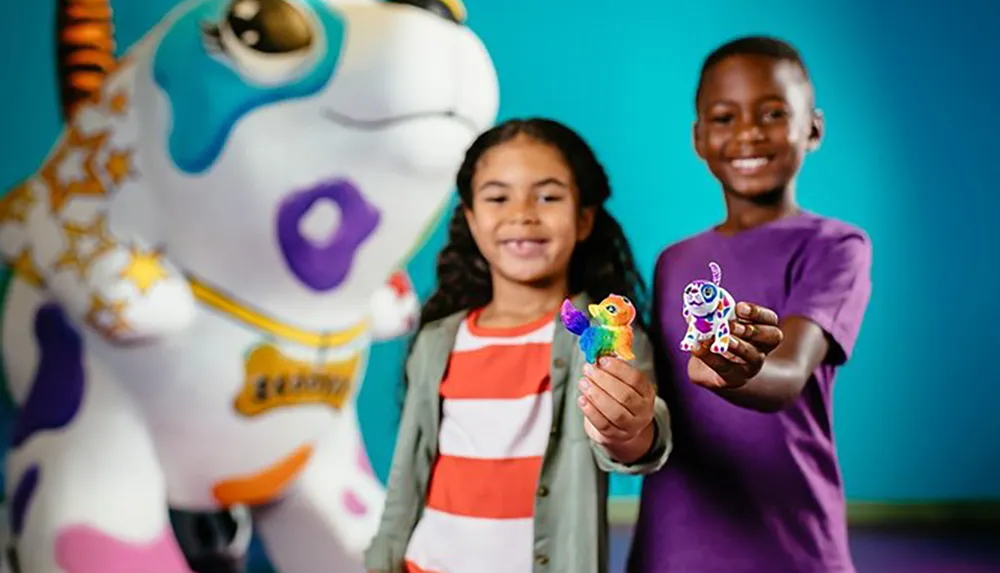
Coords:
pixel 612 335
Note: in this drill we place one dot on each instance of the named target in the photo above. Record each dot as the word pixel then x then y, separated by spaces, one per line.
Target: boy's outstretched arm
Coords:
pixel 823 316
pixel 785 371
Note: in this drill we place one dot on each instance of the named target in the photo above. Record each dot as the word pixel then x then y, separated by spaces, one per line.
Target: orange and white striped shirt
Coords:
pixel 495 425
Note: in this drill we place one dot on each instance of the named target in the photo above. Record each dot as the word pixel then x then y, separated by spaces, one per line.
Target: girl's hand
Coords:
pixel 617 401
pixel 755 334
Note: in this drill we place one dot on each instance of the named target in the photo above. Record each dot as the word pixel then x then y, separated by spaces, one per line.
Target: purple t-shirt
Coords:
pixel 746 491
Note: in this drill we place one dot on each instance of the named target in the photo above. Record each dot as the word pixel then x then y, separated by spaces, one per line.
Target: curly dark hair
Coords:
pixel 601 264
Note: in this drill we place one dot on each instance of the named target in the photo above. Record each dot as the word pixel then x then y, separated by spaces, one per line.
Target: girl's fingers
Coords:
pixel 600 422
pixel 622 393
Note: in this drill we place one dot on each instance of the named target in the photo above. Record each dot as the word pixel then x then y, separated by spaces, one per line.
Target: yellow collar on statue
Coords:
pixel 230 306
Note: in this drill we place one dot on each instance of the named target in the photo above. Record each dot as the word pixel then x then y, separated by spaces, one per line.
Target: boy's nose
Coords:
pixel 750 132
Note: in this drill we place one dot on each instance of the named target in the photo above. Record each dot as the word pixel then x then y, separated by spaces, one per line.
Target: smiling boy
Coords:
pixel 754 484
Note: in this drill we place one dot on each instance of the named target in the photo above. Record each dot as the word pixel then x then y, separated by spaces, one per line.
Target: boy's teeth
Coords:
pixel 749 163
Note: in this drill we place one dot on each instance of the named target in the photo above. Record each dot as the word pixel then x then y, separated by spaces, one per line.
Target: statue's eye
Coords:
pixel 268 40
pixel 707 292
pixel 611 309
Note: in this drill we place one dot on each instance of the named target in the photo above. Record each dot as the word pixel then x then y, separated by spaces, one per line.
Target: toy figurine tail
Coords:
pixel 716 272
pixel 574 320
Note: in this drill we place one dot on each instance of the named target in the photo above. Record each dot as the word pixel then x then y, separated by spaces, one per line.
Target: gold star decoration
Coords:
pixel 119 165
pixel 25 268
pixel 144 269
pixel 14 206
pixel 85 244
pixel 118 104
pixel 87 184
pixel 106 317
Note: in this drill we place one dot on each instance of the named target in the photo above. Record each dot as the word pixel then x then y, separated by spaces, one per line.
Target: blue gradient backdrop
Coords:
pixel 910 92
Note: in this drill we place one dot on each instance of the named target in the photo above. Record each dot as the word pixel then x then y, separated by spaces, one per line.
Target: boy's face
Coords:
pixel 755 124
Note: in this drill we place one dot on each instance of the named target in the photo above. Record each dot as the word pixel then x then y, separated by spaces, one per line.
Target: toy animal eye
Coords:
pixel 627 301
pixel 267 40
pixel 707 292
pixel 611 308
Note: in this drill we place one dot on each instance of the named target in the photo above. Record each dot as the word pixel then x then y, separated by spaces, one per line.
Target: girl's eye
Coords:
pixel 549 198
pixel 496 199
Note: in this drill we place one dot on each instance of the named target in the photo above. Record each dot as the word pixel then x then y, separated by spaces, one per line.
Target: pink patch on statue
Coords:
pixel 354 504
pixel 84 549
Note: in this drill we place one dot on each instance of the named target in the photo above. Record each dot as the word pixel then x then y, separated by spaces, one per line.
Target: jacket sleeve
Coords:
pixel 663 438
pixel 403 497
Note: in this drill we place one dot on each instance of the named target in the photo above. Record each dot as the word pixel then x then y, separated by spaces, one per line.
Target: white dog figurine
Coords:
pixel 203 260
pixel 708 308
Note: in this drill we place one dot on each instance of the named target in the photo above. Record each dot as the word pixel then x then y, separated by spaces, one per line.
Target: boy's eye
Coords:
pixel 549 198
pixel 496 199
pixel 775 114
pixel 722 118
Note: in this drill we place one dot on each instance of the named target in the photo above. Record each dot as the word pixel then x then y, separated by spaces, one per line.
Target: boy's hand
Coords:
pixel 617 401
pixel 755 334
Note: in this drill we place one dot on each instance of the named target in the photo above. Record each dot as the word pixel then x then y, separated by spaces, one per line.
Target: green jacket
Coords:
pixel 571 502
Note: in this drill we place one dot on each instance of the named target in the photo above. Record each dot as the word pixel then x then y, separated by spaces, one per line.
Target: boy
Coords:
pixel 754 484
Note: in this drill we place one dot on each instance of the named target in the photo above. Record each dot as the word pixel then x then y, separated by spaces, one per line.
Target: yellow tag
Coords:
pixel 275 381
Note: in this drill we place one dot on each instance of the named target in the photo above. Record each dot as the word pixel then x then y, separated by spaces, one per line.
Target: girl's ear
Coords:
pixel 585 223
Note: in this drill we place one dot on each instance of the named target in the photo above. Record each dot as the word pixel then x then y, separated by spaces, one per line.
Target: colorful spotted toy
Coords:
pixel 708 308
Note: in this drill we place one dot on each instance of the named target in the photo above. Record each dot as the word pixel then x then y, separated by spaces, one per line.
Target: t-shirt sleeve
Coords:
pixel 832 287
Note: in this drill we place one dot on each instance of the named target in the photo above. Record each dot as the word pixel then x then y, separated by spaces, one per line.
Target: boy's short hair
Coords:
pixel 766 46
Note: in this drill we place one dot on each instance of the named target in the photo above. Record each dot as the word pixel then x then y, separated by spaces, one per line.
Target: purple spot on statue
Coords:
pixel 22 498
pixel 324 266
pixel 57 392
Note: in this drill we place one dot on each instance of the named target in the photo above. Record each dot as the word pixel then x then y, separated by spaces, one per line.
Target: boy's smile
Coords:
pixel 755 124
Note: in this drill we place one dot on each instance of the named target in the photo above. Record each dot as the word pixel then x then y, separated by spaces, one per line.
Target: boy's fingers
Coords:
pixel 756 313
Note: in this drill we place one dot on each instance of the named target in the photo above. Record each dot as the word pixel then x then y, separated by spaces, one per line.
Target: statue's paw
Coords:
pixel 395 309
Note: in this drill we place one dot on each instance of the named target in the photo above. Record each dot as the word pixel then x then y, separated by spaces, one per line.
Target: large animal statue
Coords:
pixel 201 263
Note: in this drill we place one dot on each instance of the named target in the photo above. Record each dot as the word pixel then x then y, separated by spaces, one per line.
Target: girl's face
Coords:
pixel 525 216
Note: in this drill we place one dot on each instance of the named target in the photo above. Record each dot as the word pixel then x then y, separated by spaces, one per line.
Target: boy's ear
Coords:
pixel 817 129
pixel 696 138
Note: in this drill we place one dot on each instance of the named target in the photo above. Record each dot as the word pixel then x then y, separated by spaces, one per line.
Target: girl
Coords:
pixel 505 431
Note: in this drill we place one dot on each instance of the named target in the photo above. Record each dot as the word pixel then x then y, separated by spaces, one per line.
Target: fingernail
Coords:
pixel 581 401
pixel 738 329
pixel 588 369
pixel 743 309
pixel 583 384
pixel 603 362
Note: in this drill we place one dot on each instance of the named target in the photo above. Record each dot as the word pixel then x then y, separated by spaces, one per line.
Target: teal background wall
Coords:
pixel 910 92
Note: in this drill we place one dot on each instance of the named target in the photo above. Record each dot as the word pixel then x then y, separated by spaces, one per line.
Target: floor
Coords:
pixel 888 551
pixel 884 551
